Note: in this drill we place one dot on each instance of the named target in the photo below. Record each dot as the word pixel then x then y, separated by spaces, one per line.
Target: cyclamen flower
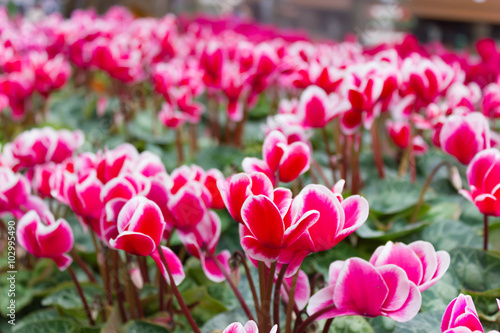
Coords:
pixel 250 327
pixel 461 317
pixel 465 136
pixel 316 108
pixel 422 264
pixel 356 287
pixel 281 160
pixel 52 240
pixel 14 190
pixel 38 146
pixel 483 174
pixel 140 227
pixel 266 231
pixel 237 188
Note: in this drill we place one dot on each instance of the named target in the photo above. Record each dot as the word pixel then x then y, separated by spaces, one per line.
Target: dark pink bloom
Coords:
pixel 237 188
pixel 266 231
pixel 171 118
pixel 38 146
pixel 14 190
pixel 422 264
pixel 250 327
pixel 465 136
pixel 288 161
pixel 483 174
pixel 356 287
pixel 316 108
pixel 490 104
pixel 140 227
pixel 461 316
pixel 52 240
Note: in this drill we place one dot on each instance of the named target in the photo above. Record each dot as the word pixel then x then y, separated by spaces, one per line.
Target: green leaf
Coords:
pixel 66 296
pixel 425 322
pixel 474 270
pixel 223 320
pixel 399 229
pixel 144 326
pixel 447 235
pixel 351 324
pixel 23 294
pixel 59 325
pixel 391 196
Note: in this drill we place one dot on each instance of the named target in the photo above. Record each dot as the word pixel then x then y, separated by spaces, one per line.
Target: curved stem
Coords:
pixel 485 243
pixel 424 190
pixel 276 299
pixel 82 265
pixel 328 323
pixel 313 317
pixel 250 279
pixel 82 296
pixel 177 294
pixel 233 287
pixel 291 303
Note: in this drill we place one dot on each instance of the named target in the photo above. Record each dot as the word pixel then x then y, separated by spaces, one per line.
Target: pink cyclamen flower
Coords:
pixel 483 174
pixel 338 217
pixel 461 316
pixel 237 188
pixel 422 264
pixel 316 108
pixel 140 227
pixel 38 146
pixel 465 136
pixel 250 327
pixel 14 190
pixel 52 240
pixel 356 287
pixel 288 161
pixel 266 231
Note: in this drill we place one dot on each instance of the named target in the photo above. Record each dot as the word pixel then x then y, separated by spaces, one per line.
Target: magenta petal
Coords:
pixel 261 184
pixel 297 229
pixel 282 199
pixel 320 300
pixel 234 328
pixel 334 271
pixel 63 261
pixel 255 250
pixel 234 191
pixel 425 251
pixel 302 292
pixel 401 255
pixel 211 269
pixel 253 164
pixel 331 215
pixel 410 308
pixel 296 161
pixel 26 233
pixel 360 288
pixel 263 219
pixel 173 262
pixel 272 150
pixel 398 284
pixel 134 243
pixel 251 327
pixel 55 239
pixel 356 212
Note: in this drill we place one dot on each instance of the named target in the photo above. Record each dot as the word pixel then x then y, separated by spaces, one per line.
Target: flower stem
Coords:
pixel 250 279
pixel 82 296
pixel 235 289
pixel 177 294
pixel 377 153
pixel 424 190
pixel 291 303
pixel 313 317
pixel 178 144
pixel 117 286
pixel 277 290
pixel 82 265
pixel 328 323
pixel 485 243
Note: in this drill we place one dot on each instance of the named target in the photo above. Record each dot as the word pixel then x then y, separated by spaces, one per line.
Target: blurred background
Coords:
pixel 455 23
